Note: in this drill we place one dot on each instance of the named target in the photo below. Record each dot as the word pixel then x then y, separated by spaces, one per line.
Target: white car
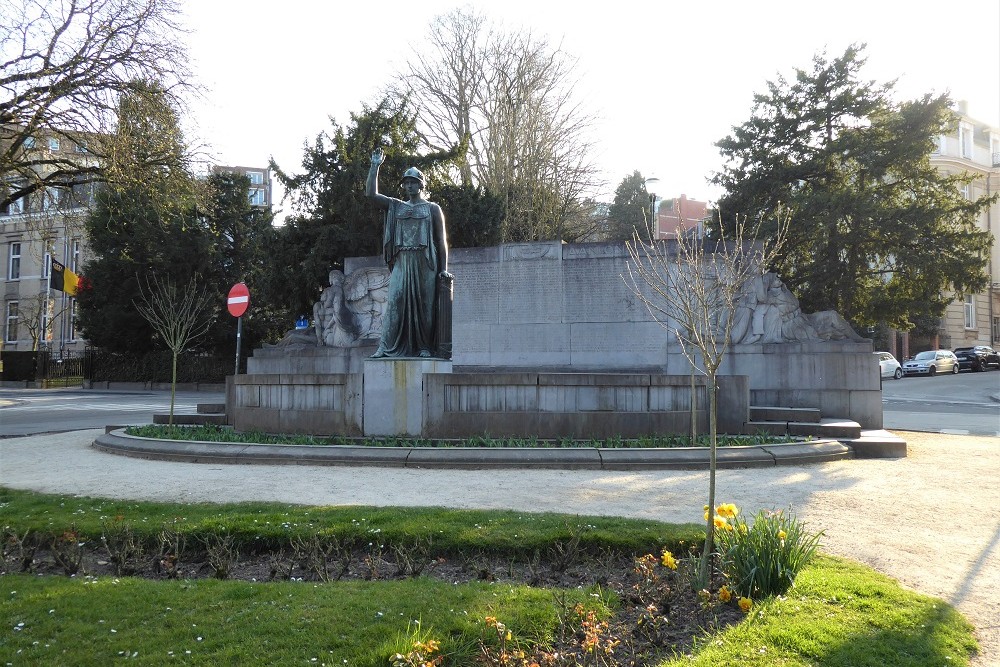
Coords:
pixel 888 366
pixel 931 362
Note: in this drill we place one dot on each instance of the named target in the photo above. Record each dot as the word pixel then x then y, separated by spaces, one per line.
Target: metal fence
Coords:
pixel 47 369
pixel 60 369
pixel 67 369
pixel 156 367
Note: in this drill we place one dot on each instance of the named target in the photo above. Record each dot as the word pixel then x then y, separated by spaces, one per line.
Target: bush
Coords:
pixel 762 558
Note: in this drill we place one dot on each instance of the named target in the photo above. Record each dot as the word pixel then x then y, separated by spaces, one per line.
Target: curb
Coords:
pixel 472 458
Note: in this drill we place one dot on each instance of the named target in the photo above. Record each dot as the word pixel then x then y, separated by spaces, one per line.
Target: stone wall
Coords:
pixel 562 307
pixel 559 307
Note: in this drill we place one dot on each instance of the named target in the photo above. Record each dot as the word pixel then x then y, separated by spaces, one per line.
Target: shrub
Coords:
pixel 762 558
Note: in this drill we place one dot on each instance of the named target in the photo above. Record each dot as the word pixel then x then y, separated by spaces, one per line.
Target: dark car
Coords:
pixel 977 358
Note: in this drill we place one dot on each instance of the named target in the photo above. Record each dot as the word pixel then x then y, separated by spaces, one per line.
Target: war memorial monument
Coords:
pixel 540 339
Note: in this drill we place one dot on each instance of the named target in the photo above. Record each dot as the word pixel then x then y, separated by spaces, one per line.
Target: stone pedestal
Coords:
pixel 394 394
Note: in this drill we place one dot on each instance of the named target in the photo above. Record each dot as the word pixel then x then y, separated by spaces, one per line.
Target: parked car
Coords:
pixel 888 366
pixel 977 358
pixel 931 362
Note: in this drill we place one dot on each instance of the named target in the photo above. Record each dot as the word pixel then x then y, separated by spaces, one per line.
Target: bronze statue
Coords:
pixel 415 248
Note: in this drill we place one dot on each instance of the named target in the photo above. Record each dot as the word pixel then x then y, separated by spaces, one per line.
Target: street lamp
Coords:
pixel 653 226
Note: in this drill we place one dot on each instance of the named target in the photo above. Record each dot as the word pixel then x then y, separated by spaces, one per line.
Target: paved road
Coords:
pixel 965 404
pixel 29 411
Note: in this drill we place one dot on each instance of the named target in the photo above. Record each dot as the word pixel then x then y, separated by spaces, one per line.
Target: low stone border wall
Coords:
pixel 568 458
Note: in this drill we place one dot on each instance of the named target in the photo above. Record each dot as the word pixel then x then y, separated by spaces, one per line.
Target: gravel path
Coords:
pixel 929 520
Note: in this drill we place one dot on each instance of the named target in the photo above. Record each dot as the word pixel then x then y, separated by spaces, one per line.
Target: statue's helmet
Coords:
pixel 415 174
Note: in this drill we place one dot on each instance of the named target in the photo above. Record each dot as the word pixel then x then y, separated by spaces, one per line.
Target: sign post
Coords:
pixel 238 302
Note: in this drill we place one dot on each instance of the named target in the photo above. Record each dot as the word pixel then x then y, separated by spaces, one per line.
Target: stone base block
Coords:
pixel 394 394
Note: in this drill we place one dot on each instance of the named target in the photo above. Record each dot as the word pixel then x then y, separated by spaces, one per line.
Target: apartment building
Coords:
pixel 260 182
pixel 679 215
pixel 36 232
pixel 974 147
pixel 49 227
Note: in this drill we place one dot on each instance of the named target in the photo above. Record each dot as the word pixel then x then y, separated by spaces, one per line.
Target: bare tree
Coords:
pixel 510 96
pixel 64 64
pixel 179 315
pixel 31 312
pixel 693 287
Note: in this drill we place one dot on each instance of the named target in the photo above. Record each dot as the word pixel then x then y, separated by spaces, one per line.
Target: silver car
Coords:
pixel 931 362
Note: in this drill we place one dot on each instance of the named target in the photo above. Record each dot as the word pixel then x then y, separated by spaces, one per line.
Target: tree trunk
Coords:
pixel 709 549
pixel 173 389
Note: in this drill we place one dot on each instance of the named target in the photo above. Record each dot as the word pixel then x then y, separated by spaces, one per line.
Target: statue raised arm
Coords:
pixel 415 248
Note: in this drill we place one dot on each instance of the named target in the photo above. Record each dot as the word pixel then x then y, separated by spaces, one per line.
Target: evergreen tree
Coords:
pixel 473 216
pixel 630 212
pixel 877 233
pixel 149 225
pixel 244 241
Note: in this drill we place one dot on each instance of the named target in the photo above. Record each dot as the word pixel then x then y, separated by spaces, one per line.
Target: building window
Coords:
pixel 29 143
pixel 53 143
pixel 51 198
pixel 996 329
pixel 10 328
pixel 256 197
pixel 965 140
pixel 74 258
pixel 256 178
pixel 14 261
pixel 81 147
pixel 47 265
pixel 940 144
pixel 16 207
pixel 80 195
pixel 970 311
pixel 967 192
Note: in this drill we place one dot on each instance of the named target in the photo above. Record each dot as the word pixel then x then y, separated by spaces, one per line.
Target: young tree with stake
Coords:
pixel 692 288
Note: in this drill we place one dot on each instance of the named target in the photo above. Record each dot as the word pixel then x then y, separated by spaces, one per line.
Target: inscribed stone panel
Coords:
pixel 531 290
pixel 477 294
pixel 596 292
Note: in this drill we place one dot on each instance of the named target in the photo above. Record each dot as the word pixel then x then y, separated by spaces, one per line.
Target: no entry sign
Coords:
pixel 239 300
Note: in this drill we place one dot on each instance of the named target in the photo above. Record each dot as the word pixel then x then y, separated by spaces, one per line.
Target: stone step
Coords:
pixel 784 414
pixel 211 408
pixel 191 420
pixel 877 444
pixel 839 429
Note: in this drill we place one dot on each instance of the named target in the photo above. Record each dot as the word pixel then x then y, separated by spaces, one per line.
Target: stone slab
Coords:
pixel 394 394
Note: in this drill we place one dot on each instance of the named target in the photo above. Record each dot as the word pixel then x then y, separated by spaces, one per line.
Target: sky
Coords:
pixel 664 80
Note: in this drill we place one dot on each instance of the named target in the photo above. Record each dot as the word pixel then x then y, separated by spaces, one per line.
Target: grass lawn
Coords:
pixel 838 613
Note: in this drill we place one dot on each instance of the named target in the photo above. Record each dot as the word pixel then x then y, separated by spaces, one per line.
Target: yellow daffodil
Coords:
pixel 745 604
pixel 725 595
pixel 782 535
pixel 721 523
pixel 727 510
pixel 668 560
